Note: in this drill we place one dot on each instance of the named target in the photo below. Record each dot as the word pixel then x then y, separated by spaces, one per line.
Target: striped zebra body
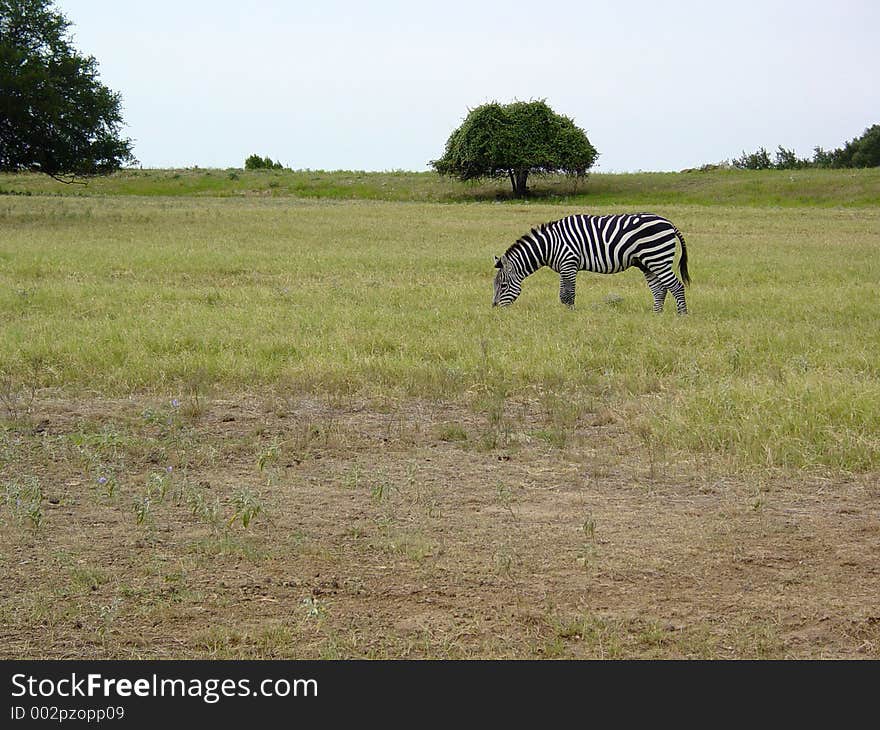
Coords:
pixel 604 244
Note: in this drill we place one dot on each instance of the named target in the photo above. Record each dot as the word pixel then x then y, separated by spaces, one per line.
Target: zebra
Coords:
pixel 605 244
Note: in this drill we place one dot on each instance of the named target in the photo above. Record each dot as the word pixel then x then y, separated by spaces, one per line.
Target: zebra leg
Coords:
pixel 670 281
pixel 678 292
pixel 567 280
pixel 657 289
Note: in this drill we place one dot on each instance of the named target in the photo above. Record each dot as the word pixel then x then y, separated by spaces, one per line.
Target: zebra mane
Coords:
pixel 532 233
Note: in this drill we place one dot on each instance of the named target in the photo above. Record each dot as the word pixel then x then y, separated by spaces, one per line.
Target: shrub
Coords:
pixel 255 162
pixel 862 151
pixel 759 160
pixel 788 160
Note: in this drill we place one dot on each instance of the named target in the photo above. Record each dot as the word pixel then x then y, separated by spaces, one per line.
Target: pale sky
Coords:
pixel 380 85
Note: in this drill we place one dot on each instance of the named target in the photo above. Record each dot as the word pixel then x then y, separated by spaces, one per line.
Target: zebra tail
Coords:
pixel 683 261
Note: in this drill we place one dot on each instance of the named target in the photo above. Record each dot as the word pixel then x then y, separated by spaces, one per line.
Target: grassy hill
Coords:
pixel 848 188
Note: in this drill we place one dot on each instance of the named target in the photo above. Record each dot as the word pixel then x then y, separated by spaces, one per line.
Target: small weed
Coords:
pixel 247 506
pixel 309 436
pixel 269 455
pixel 452 432
pixel 274 640
pixel 505 559
pixel 224 542
pixel 604 638
pixel 494 404
pixel 428 498
pixel 151 415
pixel 379 492
pixel 313 607
pixel 353 478
pixel 169 421
pixel 107 615
pixel 589 527
pixel 24 498
pixel 196 385
pixel 159 484
pixel 18 394
pixel 87 578
pixel 586 555
pixel 106 481
pixel 587 550
pixel 652 447
pixel 414 545
pixel 554 436
pixel 205 510
pixel 506 499
pixel 143 510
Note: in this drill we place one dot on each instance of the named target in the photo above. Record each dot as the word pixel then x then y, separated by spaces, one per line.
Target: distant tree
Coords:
pixel 862 151
pixel 788 160
pixel 822 157
pixel 255 162
pixel 55 115
pixel 515 140
pixel 759 160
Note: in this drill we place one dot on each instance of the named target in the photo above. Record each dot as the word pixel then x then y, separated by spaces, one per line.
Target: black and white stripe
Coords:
pixel 605 244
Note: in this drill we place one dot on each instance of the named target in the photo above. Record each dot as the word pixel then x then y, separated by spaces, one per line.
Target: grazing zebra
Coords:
pixel 605 244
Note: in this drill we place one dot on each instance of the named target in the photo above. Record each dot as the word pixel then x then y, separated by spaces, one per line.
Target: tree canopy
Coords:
pixel 515 140
pixel 255 162
pixel 56 117
pixel 863 151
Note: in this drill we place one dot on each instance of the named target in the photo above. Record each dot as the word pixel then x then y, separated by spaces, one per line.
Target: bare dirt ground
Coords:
pixel 388 529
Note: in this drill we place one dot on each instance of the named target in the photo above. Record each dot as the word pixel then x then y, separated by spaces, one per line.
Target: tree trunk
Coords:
pixel 518 181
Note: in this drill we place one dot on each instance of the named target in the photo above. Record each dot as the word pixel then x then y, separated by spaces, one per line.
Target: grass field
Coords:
pixel 238 424
pixel 761 188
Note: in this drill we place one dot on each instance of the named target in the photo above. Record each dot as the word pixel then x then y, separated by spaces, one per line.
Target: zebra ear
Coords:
pixel 497 263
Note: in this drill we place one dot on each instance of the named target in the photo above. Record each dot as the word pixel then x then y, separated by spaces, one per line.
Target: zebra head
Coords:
pixel 507 286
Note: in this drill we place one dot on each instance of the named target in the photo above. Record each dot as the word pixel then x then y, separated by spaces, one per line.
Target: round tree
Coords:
pixel 56 117
pixel 515 140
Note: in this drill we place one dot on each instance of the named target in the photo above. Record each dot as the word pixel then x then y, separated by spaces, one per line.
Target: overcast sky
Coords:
pixel 380 85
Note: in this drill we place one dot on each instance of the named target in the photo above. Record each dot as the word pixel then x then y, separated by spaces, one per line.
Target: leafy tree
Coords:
pixel 862 151
pixel 255 162
pixel 759 160
pixel 515 140
pixel 55 115
pixel 823 157
pixel 788 160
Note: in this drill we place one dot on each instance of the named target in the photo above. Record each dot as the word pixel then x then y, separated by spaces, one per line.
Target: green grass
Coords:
pixel 851 188
pixel 777 364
